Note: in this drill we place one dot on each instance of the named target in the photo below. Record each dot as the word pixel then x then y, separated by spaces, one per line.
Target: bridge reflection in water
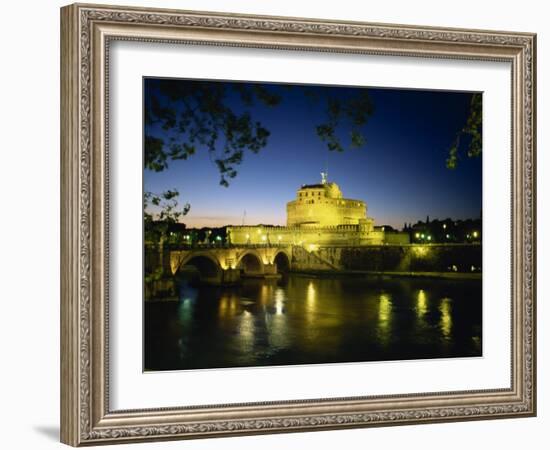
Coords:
pixel 305 320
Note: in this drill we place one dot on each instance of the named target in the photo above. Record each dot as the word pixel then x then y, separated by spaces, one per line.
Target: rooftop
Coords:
pixel 312 186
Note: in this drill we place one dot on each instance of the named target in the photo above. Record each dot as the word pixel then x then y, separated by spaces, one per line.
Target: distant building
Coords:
pixel 319 216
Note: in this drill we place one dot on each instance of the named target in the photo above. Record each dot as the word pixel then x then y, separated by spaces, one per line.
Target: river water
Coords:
pixel 308 320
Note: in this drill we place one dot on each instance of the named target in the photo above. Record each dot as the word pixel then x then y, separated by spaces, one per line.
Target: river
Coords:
pixel 308 320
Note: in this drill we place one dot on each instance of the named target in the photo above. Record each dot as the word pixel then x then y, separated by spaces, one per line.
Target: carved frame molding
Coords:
pixel 86 32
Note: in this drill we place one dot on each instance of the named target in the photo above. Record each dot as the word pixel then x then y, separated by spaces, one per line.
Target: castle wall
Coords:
pixel 347 235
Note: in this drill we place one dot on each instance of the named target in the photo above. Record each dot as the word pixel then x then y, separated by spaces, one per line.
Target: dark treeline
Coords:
pixel 445 231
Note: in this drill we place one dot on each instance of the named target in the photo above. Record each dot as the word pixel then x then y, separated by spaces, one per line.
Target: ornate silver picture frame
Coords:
pixel 87 32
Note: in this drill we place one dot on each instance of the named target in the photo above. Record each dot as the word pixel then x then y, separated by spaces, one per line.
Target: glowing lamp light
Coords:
pixel 475 234
pixel 264 237
pixel 259 231
pixel 447 236
pixel 429 238
pixel 417 235
pixel 444 225
pixel 279 238
pixel 248 236
pixel 422 235
pixel 312 247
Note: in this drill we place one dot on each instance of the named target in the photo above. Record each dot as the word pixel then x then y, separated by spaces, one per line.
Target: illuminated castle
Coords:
pixel 320 215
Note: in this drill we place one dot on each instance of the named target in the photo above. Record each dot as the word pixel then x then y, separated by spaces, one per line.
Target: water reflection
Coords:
pixel 246 332
pixel 310 296
pixel 277 323
pixel 384 318
pixel 421 304
pixel 304 320
pixel 279 300
pixel 446 321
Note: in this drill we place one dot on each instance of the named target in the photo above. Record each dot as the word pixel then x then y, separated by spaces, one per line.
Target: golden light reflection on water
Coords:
pixel 228 306
pixel 311 295
pixel 246 331
pixel 278 322
pixel 279 301
pixel 385 313
pixel 310 309
pixel 223 306
pixel 446 320
pixel 421 304
pixel 266 292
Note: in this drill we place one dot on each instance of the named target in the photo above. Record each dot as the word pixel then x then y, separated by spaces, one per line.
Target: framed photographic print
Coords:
pixel 275 224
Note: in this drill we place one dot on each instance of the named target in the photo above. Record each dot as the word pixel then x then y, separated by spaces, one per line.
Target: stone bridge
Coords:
pixel 225 265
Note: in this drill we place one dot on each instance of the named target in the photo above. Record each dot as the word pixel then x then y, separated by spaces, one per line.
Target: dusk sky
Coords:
pixel 400 172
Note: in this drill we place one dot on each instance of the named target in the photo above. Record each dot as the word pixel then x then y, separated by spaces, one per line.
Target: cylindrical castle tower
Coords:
pixel 321 205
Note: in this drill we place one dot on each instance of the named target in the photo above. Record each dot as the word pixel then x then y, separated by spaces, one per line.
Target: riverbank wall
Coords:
pixel 406 260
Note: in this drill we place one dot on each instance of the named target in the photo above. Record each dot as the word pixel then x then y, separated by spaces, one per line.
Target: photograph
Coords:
pixel 297 224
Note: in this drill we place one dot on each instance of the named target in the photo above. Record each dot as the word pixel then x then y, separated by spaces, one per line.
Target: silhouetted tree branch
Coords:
pixel 183 117
pixel 469 139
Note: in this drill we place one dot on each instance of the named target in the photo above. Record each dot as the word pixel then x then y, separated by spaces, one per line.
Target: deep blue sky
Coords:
pixel 400 172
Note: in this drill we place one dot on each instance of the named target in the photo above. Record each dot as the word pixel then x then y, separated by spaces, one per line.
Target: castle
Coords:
pixel 319 216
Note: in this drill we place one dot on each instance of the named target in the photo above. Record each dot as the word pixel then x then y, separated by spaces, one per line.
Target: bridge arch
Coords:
pixel 251 263
pixel 282 261
pixel 205 263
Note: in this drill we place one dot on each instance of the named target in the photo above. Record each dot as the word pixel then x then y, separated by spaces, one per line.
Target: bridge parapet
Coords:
pixel 257 260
